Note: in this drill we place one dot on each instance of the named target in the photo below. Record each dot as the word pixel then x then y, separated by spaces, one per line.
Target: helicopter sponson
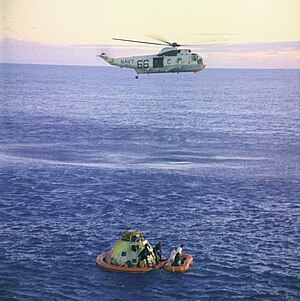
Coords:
pixel 169 59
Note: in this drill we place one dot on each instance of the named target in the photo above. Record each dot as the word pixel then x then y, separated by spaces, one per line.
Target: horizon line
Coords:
pixel 113 67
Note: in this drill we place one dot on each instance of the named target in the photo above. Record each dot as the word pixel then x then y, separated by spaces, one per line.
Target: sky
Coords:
pixel 253 34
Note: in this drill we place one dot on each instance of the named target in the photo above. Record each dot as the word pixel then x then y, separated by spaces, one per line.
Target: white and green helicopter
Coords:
pixel 169 59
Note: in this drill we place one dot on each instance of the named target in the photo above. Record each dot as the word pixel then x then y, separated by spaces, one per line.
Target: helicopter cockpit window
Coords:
pixel 194 58
pixel 200 61
pixel 169 53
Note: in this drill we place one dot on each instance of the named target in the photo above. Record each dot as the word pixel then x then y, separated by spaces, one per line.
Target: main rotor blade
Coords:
pixel 174 44
pixel 135 41
pixel 158 38
pixel 208 44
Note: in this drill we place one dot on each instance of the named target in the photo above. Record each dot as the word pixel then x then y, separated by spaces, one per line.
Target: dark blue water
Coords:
pixel 209 160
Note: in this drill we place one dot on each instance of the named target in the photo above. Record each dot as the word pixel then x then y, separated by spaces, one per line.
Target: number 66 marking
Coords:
pixel 142 64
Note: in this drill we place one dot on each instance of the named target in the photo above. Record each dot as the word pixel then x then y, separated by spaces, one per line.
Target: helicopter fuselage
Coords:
pixel 169 59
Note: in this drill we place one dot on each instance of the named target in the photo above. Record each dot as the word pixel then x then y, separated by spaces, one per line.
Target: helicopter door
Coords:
pixel 158 62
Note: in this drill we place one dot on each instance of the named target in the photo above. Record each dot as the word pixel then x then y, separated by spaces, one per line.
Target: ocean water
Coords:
pixel 208 160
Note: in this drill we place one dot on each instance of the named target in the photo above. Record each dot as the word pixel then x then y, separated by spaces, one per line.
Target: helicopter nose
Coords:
pixel 202 66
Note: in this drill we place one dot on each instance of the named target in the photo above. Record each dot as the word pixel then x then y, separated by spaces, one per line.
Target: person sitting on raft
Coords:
pixel 157 252
pixel 178 258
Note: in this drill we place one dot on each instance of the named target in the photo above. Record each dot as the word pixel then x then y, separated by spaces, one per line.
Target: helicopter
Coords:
pixel 170 59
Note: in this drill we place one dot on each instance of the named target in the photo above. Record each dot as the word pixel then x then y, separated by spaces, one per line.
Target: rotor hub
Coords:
pixel 174 44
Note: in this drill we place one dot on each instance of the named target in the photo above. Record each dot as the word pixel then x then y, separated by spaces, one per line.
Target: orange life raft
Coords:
pixel 188 259
pixel 114 268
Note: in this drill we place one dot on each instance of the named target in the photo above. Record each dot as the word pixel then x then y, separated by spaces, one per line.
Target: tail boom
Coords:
pixel 106 58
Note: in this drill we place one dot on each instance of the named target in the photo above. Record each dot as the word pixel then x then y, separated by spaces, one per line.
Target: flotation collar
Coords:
pixel 114 268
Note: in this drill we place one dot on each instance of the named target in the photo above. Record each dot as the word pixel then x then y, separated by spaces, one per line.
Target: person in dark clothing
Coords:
pixel 177 260
pixel 144 255
pixel 157 252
